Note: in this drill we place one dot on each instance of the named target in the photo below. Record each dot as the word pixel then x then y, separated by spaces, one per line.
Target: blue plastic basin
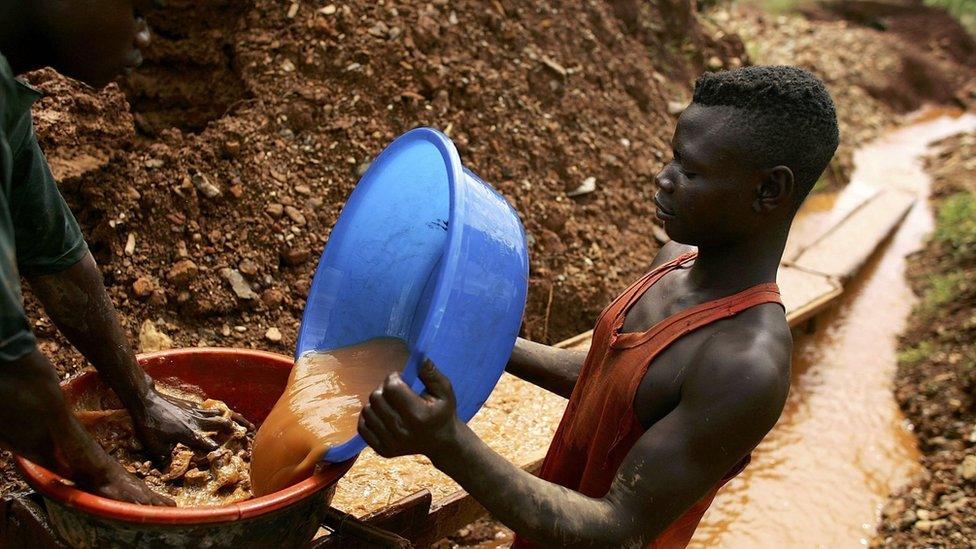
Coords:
pixel 425 251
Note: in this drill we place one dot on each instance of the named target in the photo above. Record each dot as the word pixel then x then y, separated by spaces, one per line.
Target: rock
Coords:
pixel 715 63
pixel 237 191
pixel 130 244
pixel 248 267
pixel 275 210
pixel 586 187
pixel 967 469
pixel 379 30
pixel 143 287
pixel 272 297
pixel 273 334
pixel 206 188
pixel 152 339
pixel 929 525
pixel 158 298
pixel 182 273
pixel 294 256
pixel 303 190
pixel 295 215
pixel 237 283
pixel 328 10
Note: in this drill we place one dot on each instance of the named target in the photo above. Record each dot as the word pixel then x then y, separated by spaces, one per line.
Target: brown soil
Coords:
pixel 937 375
pixel 873 75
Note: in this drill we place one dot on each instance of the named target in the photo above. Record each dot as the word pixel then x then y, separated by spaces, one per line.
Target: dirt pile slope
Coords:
pixel 876 66
pixel 255 120
pixel 936 379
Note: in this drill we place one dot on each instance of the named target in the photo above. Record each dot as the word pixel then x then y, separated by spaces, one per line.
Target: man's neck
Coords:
pixel 735 266
pixel 18 38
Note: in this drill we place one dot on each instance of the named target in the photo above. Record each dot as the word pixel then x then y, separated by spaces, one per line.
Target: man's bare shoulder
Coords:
pixel 669 251
pixel 747 358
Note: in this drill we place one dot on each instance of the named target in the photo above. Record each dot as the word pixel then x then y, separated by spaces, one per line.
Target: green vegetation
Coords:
pixel 914 355
pixel 956 227
pixel 963 10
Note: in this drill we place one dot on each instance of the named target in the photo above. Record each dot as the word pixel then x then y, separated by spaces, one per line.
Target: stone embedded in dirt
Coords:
pixel 303 190
pixel 586 187
pixel 379 30
pixel 130 244
pixel 152 339
pixel 236 191
pixel 275 210
pixel 715 63
pixel 143 287
pixel 273 334
pixel 183 272
pixel 328 10
pixel 295 215
pixel 294 256
pixel 248 267
pixel 237 283
pixel 205 186
pixel 272 297
pixel 967 469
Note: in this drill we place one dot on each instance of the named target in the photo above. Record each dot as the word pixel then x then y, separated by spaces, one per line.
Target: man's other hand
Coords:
pixel 166 421
pixel 121 485
pixel 398 422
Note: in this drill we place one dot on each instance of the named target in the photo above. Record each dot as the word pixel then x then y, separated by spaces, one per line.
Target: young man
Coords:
pixel 91 40
pixel 689 368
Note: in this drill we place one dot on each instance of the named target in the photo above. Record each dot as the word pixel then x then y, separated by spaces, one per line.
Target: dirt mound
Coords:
pixel 872 75
pixel 930 28
pixel 936 379
pixel 253 123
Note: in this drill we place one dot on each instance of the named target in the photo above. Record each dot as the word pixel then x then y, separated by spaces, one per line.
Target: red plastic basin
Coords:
pixel 250 382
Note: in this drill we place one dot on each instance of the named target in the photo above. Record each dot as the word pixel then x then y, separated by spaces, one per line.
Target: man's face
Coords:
pixel 95 40
pixel 707 192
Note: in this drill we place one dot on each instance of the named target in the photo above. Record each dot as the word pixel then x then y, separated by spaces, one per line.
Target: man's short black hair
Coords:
pixel 789 119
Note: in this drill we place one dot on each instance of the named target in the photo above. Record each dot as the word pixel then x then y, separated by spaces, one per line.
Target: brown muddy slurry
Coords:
pixel 319 409
pixel 823 473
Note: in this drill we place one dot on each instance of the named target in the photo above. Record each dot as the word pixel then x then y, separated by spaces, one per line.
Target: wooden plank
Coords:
pixel 841 252
pixel 805 294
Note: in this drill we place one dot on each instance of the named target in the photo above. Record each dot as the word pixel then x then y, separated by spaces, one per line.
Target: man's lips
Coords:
pixel 661 210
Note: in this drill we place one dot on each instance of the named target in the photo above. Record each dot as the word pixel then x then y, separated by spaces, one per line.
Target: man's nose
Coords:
pixel 143 36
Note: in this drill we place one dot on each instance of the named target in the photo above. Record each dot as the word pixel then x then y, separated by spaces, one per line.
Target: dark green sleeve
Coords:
pixel 16 339
pixel 46 234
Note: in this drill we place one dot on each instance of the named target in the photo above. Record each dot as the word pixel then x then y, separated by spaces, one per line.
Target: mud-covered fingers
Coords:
pixel 375 424
pixel 402 398
pixel 219 424
pixel 390 418
pixel 371 439
pixel 241 420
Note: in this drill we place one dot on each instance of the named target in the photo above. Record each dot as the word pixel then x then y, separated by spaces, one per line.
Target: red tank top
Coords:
pixel 599 426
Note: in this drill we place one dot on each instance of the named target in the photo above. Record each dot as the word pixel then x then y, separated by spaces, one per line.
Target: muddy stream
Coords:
pixel 822 475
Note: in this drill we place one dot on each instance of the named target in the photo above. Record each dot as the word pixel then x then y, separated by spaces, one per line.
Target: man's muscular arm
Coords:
pixel 728 404
pixel 35 422
pixel 77 302
pixel 555 370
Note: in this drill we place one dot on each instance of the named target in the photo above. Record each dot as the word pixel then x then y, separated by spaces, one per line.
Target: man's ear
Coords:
pixel 774 190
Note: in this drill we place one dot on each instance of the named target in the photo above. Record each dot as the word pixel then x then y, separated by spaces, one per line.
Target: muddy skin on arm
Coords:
pixel 51 436
pixel 77 302
pixel 555 370
pixel 728 404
